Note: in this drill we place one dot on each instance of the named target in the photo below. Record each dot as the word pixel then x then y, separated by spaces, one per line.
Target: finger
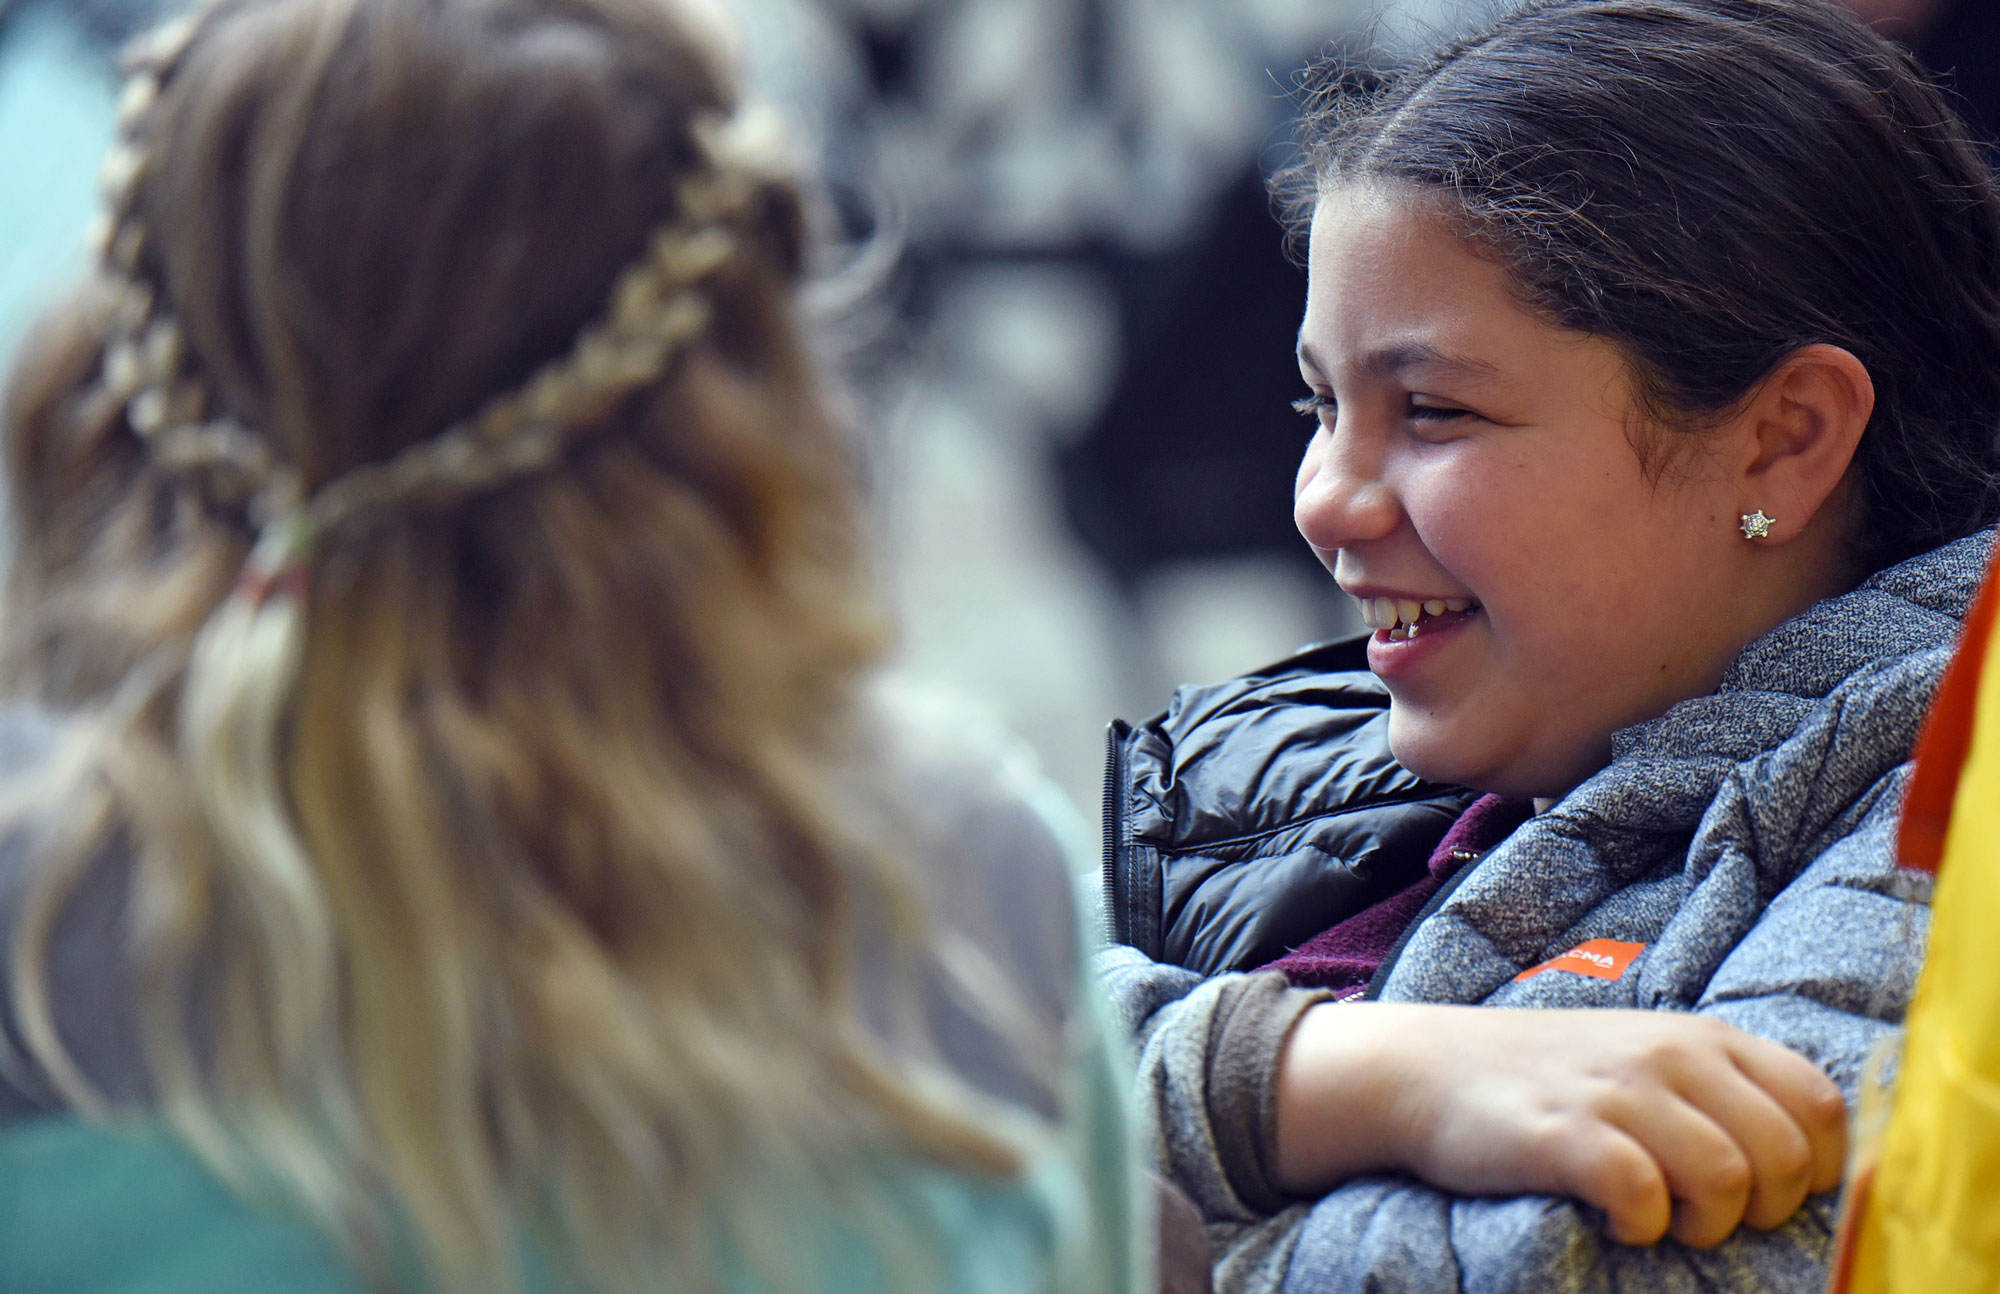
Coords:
pixel 1812 1099
pixel 1776 1148
pixel 1607 1168
pixel 1707 1173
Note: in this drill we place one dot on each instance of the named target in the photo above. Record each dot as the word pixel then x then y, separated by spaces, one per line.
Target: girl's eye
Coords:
pixel 1316 406
pixel 1436 412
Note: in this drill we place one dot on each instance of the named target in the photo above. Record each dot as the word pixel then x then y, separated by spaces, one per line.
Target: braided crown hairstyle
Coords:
pixel 1713 184
pixel 433 528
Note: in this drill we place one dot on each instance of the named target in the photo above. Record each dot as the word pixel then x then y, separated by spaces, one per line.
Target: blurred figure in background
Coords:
pixel 450 795
pixel 1086 262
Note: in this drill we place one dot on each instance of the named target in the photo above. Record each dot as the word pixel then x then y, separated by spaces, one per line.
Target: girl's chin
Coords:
pixel 1440 752
pixel 1431 754
pixel 1426 748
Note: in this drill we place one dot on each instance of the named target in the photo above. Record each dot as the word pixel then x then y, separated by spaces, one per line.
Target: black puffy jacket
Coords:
pixel 1256 813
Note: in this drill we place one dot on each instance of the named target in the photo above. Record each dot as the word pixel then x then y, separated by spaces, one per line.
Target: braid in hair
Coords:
pixel 243 670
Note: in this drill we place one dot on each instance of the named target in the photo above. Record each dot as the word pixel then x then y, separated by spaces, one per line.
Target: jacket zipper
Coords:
pixel 1381 975
pixel 1116 921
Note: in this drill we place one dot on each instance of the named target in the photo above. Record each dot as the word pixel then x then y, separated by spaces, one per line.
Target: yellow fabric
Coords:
pixel 1931 1221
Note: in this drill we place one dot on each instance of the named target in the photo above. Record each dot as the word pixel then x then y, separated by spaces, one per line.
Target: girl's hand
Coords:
pixel 1669 1123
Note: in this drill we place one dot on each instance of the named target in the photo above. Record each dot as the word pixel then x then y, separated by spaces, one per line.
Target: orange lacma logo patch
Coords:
pixel 1597 958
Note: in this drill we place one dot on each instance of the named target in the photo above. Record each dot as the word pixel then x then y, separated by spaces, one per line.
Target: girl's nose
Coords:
pixel 1339 498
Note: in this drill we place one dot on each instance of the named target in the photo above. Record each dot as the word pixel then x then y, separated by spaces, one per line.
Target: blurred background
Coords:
pixel 1063 303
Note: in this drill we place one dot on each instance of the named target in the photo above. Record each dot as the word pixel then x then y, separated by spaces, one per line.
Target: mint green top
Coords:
pixel 86 1209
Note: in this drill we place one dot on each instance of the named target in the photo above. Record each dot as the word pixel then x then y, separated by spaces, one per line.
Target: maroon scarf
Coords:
pixel 1346 957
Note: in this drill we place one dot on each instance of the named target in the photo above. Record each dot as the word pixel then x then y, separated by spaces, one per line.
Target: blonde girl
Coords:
pixel 453 841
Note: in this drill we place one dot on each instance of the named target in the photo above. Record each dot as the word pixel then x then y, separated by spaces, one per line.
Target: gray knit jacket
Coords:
pixel 1745 837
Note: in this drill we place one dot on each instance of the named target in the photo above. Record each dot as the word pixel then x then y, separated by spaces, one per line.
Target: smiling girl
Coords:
pixel 1654 359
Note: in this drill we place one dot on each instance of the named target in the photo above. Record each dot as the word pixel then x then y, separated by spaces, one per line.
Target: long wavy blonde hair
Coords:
pixel 568 759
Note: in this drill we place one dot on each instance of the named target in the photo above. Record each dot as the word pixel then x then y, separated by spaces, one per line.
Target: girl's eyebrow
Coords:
pixel 1400 358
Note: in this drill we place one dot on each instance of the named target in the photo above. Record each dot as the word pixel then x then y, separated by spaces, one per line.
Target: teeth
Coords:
pixel 1402 616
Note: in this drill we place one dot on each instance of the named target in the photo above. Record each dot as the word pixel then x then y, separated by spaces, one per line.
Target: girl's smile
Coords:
pixel 1396 652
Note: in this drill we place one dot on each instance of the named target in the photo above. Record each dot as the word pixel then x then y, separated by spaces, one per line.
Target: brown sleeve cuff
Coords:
pixel 1247 1031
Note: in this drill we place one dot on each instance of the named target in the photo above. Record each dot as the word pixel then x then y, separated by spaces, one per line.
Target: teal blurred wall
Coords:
pixel 56 94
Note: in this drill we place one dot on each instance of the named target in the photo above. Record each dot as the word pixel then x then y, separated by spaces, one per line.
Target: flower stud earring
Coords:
pixel 1756 525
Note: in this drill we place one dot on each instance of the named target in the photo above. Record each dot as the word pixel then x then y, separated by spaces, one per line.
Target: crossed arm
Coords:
pixel 1446 1147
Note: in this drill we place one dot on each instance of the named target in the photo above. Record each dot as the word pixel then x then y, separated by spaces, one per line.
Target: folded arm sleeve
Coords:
pixel 1206 1052
pixel 1827 970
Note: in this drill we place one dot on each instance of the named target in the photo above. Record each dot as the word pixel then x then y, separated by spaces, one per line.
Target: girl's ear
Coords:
pixel 1803 425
